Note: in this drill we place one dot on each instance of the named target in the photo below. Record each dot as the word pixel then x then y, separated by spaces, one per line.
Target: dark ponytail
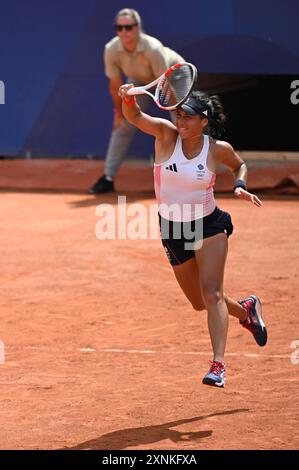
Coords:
pixel 211 108
pixel 216 125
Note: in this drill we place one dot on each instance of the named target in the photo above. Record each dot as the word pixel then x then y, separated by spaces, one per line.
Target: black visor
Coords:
pixel 193 106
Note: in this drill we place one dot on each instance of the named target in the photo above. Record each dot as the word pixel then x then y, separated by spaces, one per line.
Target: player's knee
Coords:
pixel 212 295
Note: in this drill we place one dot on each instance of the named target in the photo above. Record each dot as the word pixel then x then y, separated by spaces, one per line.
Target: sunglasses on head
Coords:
pixel 126 27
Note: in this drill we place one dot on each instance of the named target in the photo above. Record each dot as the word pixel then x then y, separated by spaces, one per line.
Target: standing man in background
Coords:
pixel 142 59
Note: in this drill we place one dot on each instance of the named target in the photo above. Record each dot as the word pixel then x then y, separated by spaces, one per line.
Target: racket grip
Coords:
pixel 136 90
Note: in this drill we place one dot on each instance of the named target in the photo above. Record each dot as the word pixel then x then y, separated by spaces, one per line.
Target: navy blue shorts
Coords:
pixel 178 238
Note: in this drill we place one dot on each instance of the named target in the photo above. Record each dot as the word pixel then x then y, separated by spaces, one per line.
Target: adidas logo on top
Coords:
pixel 172 168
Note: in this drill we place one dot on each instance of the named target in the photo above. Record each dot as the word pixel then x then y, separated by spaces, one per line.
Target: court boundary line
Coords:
pixel 147 352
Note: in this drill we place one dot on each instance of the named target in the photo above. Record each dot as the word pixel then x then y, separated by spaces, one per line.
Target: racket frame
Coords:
pixel 140 90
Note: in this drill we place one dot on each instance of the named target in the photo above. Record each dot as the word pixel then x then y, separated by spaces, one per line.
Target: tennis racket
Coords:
pixel 172 88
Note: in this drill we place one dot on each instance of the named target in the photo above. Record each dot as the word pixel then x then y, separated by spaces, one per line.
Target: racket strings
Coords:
pixel 175 86
pixel 164 92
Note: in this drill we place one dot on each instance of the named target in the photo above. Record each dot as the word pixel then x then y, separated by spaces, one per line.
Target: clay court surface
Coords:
pixel 102 351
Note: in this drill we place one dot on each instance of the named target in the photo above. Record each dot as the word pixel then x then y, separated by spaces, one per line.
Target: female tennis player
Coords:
pixel 187 155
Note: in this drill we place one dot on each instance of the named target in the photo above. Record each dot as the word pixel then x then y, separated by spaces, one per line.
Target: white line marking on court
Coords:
pixel 146 351
pixel 187 353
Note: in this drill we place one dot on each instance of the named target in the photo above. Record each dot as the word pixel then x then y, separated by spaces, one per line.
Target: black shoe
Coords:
pixel 102 186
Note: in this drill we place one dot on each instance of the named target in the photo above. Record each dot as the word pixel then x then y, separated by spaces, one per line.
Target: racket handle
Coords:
pixel 136 90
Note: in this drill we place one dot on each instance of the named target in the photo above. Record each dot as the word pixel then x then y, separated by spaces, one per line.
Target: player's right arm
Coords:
pixel 158 127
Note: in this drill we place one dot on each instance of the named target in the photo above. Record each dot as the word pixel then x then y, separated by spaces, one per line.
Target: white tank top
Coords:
pixel 187 185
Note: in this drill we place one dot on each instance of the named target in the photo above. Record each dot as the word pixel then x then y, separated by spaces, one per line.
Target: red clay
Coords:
pixel 68 298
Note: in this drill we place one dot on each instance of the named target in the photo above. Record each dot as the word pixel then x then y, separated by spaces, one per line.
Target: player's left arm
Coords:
pixel 226 155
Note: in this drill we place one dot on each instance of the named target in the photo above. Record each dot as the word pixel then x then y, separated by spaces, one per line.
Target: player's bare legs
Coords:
pixel 211 259
pixel 187 275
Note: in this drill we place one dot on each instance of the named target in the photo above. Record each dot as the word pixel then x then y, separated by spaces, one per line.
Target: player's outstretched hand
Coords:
pixel 242 194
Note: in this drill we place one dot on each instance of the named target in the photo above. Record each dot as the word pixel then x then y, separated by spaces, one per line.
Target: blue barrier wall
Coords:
pixel 56 95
